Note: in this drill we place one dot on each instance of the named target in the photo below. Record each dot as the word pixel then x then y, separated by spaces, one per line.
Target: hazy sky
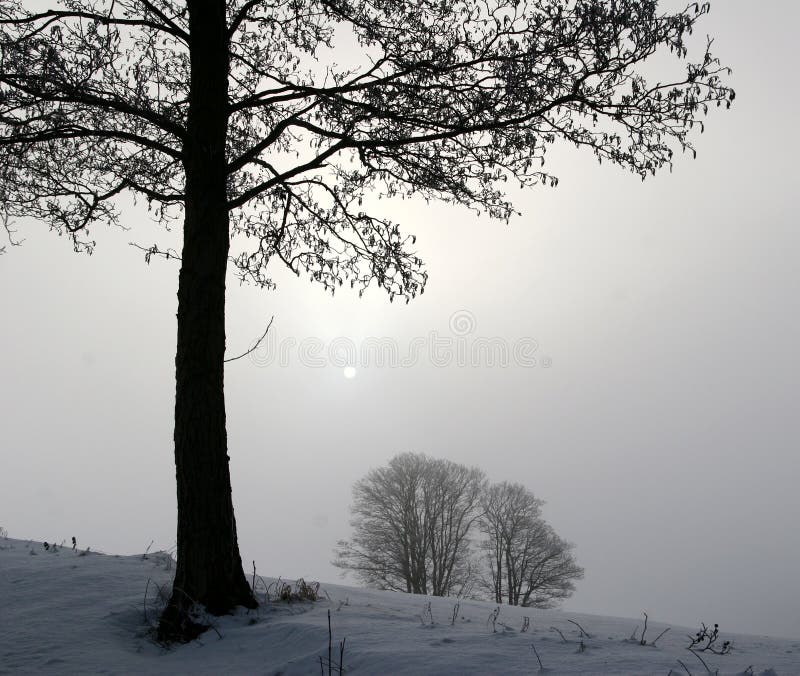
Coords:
pixel 663 435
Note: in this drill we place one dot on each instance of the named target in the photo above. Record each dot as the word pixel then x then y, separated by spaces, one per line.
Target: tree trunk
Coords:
pixel 209 570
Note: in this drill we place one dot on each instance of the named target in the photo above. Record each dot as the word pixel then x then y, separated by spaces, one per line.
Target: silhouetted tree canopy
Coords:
pixel 451 100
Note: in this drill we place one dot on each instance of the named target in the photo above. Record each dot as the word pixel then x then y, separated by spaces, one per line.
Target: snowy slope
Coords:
pixel 64 613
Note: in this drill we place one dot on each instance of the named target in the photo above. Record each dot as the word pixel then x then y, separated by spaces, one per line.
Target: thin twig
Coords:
pixel 702 660
pixel 660 635
pixel 493 619
pixel 10 232
pixel 583 631
pixel 150 251
pixel 536 652
pixel 560 634
pixel 685 667
pixel 146 621
pixel 330 641
pixel 257 343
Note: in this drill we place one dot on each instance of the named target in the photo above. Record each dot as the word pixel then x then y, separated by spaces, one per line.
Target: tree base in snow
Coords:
pixel 180 622
pixel 177 626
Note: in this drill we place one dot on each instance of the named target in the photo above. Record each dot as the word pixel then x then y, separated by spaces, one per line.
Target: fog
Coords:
pixel 657 415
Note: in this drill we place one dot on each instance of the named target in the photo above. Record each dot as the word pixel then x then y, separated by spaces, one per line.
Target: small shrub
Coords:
pixel 307 591
pixel 286 593
pixel 705 640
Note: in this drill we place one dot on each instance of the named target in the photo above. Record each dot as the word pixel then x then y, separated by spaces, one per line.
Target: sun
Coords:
pixel 349 372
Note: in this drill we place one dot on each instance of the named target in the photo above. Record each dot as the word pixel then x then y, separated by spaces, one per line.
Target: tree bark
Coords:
pixel 209 570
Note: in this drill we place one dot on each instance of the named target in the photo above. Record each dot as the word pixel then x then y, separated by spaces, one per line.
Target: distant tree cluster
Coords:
pixel 428 526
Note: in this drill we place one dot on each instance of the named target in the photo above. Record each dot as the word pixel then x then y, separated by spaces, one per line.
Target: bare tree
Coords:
pixel 452 501
pixel 222 113
pixel 507 510
pixel 550 574
pixel 389 547
pixel 528 564
pixel 411 525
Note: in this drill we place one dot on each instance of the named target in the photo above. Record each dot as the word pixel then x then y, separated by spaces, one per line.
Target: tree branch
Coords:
pixel 150 251
pixel 74 95
pixel 51 15
pixel 170 25
pixel 257 343
pixel 241 17
pixel 315 163
pixel 55 134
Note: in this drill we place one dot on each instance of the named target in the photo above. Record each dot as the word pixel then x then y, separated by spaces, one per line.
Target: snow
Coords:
pixel 67 612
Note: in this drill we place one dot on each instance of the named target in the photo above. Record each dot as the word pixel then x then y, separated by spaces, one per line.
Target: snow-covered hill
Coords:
pixel 66 612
